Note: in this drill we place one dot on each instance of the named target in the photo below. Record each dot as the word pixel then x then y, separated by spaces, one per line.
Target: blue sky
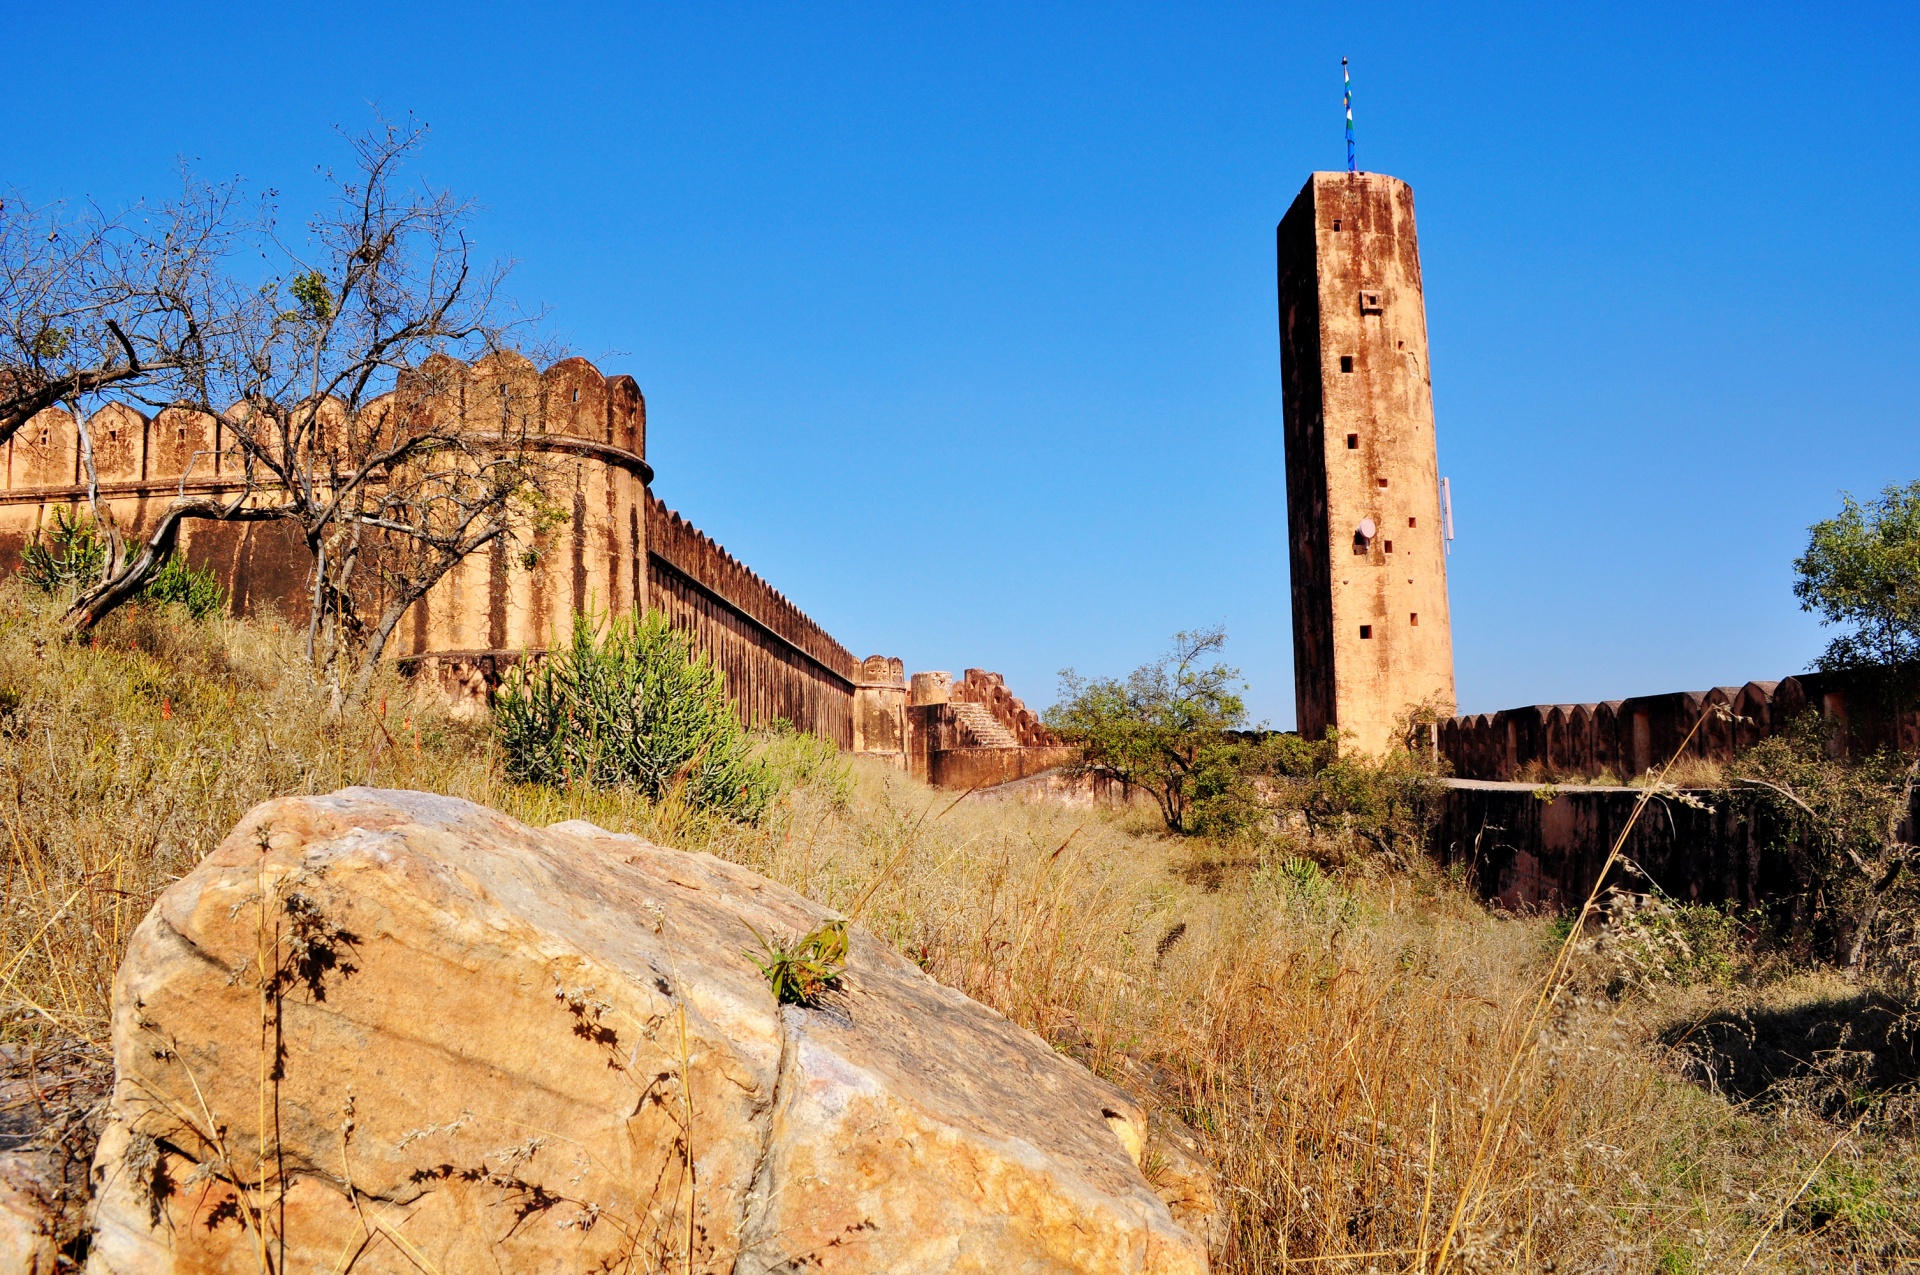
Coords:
pixel 958 323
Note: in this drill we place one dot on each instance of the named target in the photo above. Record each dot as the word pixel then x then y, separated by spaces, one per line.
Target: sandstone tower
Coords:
pixel 1370 627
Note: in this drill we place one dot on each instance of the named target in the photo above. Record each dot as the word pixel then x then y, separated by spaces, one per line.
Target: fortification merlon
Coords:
pixel 689 551
pixel 502 392
pixel 989 690
pixel 1624 738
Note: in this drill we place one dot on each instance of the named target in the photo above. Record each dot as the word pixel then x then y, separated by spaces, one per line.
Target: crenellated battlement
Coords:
pixel 135 453
pixel 1625 737
pixel 683 548
pixel 618 547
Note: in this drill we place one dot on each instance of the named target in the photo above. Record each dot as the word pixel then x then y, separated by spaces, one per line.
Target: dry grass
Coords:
pixel 1339 1044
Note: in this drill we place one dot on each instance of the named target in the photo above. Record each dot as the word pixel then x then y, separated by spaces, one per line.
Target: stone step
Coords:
pixel 986 730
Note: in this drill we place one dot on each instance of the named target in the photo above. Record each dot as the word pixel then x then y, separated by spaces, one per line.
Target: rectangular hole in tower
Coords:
pixel 1388 546
pixel 1413 618
pixel 1353 442
pixel 1336 223
pixel 1413 522
pixel 1346 362
pixel 1383 482
pixel 1366 630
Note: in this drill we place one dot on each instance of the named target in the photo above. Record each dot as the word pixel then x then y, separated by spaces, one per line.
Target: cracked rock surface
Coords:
pixel 388 1031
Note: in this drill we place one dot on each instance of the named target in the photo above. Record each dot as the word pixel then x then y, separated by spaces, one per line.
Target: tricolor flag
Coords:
pixel 1346 81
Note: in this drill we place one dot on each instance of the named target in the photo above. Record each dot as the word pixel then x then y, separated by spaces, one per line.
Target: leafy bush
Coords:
pixel 66 555
pixel 635 709
pixel 1836 820
pixel 70 553
pixel 177 583
pixel 1645 940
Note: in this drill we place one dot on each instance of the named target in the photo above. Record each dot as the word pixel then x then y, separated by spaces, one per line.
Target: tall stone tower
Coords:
pixel 1371 636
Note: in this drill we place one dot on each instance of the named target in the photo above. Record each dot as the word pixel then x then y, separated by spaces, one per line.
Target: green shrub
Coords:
pixel 637 709
pixel 65 556
pixel 1844 1196
pixel 196 590
pixel 1644 940
pixel 69 554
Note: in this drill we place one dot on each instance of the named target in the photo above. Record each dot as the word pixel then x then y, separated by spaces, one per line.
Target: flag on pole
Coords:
pixel 1346 81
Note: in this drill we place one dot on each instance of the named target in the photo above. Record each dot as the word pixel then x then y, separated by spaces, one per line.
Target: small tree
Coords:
pixel 1163 728
pixel 343 384
pixel 635 708
pixel 1862 570
pixel 1840 820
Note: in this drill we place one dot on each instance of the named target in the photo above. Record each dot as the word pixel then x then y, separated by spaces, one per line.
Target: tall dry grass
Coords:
pixel 1340 1045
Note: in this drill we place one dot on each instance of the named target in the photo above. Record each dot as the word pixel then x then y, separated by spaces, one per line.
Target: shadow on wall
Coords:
pixel 1540 849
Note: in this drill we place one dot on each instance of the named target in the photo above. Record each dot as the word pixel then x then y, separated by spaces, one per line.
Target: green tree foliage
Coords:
pixel 1861 570
pixel 1163 728
pixel 635 708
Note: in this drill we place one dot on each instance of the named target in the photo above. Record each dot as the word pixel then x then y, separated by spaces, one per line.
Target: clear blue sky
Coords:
pixel 957 322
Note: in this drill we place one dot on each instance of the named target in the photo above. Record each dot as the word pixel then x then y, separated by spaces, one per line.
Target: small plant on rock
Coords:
pixel 799 969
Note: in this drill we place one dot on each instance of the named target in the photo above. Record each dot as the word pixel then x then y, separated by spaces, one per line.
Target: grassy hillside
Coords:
pixel 1363 1053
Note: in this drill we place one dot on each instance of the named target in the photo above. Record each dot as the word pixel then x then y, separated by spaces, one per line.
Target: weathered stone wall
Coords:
pixel 989 690
pixel 880 710
pixel 1626 737
pixel 614 547
pixel 779 664
pixel 142 463
pixel 592 428
pixel 1541 848
pixel 975 733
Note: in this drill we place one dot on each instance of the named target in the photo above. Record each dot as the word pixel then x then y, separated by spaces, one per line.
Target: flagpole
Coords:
pixel 1346 82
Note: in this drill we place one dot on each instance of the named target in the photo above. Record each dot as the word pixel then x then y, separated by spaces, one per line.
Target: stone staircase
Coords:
pixel 982 728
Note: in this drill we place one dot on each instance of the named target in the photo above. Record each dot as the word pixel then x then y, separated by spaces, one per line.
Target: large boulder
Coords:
pixel 388 1031
pixel 27 1221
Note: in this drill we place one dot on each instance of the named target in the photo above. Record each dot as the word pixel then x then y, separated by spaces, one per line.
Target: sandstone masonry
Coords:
pixel 618 548
pixel 1371 633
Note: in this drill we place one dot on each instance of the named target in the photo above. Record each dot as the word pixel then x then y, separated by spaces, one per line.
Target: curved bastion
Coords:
pixel 608 546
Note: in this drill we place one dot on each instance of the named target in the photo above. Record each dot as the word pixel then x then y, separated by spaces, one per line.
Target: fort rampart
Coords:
pixel 1537 803
pixel 1618 739
pixel 780 664
pixel 612 546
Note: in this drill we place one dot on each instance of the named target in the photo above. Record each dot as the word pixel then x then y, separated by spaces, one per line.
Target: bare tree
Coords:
pixel 346 397
pixel 134 303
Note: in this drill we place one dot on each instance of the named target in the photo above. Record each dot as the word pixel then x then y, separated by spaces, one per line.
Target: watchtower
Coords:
pixel 1371 636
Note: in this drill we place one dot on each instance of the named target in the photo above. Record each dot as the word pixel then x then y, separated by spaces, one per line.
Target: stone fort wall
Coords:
pixel 616 547
pixel 1626 737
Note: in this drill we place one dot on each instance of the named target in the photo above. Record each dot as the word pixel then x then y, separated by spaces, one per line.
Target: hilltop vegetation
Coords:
pixel 1359 1046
